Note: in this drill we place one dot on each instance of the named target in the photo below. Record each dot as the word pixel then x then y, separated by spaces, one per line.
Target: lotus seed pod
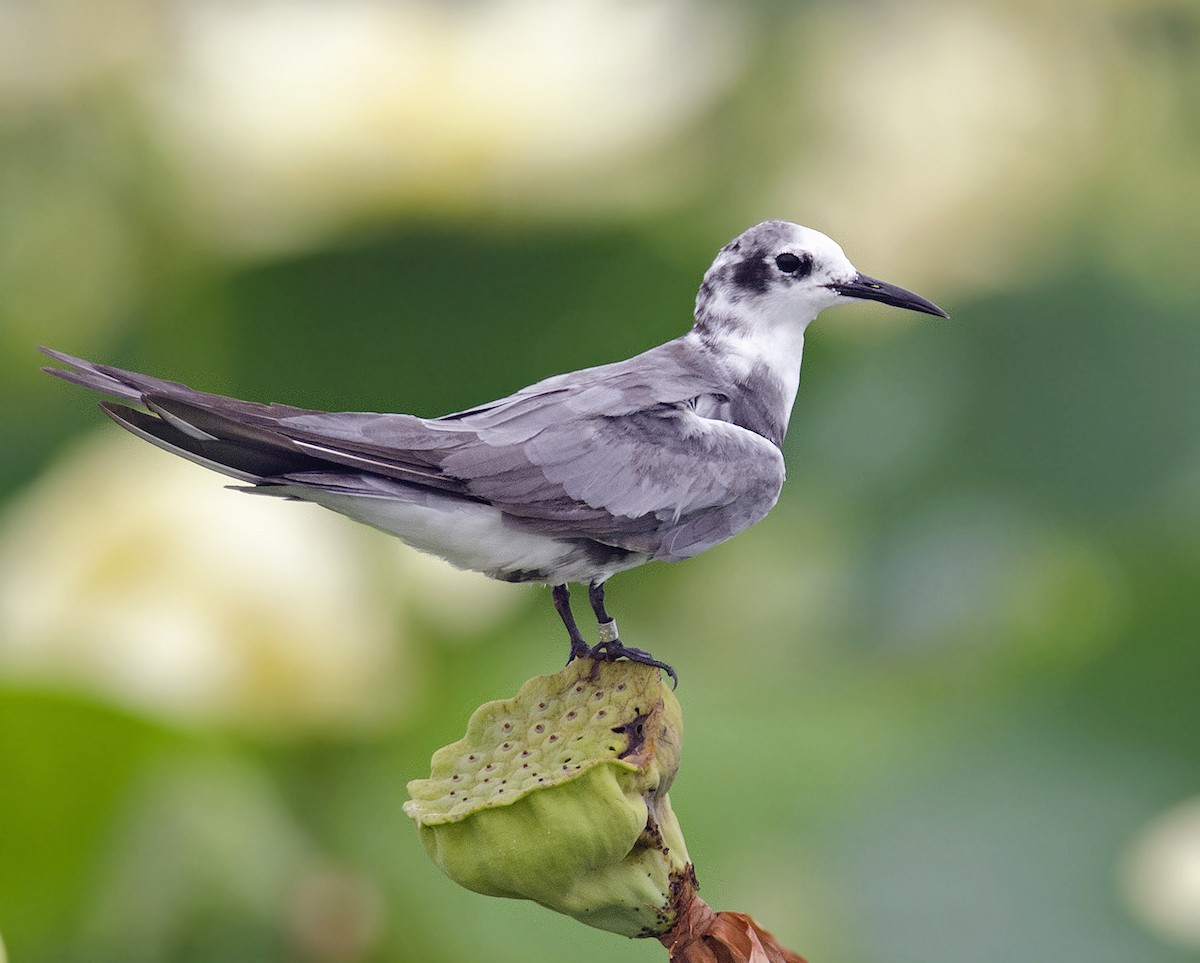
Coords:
pixel 559 795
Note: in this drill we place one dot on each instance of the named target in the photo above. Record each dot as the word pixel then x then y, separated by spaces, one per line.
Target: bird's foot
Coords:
pixel 579 650
pixel 610 651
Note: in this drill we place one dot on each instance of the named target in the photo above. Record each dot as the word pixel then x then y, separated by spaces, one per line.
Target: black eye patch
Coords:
pixel 800 267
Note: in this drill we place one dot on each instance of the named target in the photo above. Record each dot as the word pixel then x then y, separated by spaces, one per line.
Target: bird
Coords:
pixel 570 480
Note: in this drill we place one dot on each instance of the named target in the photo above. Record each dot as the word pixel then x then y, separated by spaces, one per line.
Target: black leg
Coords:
pixel 562 605
pixel 610 647
pixel 596 597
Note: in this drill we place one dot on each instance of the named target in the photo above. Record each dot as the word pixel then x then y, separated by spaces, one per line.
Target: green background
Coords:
pixel 943 705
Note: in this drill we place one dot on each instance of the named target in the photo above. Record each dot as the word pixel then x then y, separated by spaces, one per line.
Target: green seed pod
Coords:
pixel 559 795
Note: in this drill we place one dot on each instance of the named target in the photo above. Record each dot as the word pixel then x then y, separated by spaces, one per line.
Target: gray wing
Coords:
pixel 617 453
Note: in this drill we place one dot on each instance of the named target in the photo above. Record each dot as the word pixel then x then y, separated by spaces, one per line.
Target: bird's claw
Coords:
pixel 579 650
pixel 611 651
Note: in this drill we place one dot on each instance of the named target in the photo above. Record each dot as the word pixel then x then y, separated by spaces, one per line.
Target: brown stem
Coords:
pixel 693 916
pixel 702 935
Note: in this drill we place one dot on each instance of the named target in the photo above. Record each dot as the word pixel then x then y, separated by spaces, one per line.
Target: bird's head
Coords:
pixel 780 275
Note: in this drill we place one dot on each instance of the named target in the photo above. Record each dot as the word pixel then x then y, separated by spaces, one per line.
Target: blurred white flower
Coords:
pixel 1161 877
pixel 55 50
pixel 286 118
pixel 946 140
pixel 137 575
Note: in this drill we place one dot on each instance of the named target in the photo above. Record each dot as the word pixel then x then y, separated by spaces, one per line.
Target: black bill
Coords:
pixel 872 289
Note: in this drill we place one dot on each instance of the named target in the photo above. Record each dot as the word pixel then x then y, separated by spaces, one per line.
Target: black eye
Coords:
pixel 799 267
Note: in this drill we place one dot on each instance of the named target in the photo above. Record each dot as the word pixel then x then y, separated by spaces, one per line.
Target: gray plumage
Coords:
pixel 572 479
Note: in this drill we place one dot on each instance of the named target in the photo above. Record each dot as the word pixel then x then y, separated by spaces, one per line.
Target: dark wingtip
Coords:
pixel 61 356
pixel 74 377
pixel 66 374
pixel 121 414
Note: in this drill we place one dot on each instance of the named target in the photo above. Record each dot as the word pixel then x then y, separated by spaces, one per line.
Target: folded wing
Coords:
pixel 615 454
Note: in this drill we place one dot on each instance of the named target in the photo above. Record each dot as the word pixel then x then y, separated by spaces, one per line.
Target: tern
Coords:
pixel 572 479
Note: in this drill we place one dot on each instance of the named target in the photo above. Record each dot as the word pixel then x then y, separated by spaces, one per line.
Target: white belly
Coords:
pixel 470 535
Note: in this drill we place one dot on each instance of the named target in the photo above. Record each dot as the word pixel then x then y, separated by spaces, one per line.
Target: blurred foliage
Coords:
pixel 935 704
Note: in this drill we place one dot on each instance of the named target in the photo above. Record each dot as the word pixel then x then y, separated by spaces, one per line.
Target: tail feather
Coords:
pixel 233 458
pixel 245 440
